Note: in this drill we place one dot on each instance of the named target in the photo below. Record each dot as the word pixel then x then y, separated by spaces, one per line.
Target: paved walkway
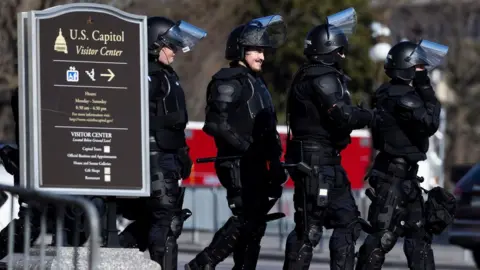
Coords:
pixel 446 256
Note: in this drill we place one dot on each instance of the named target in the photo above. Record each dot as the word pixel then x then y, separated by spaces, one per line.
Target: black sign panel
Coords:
pixel 89 97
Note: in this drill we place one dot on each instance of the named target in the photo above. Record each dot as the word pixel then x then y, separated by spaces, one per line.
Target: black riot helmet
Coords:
pixel 325 42
pixel 404 56
pixel 163 32
pixel 267 32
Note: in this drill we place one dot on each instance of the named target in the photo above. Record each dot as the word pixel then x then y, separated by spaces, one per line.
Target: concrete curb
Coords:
pixel 268 255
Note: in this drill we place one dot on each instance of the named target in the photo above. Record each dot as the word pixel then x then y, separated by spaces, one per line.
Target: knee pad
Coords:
pixel 380 242
pixel 167 194
pixel 387 240
pixel 176 226
pixel 376 259
pixel 371 256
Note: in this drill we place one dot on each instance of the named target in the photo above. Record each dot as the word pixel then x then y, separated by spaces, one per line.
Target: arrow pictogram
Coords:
pixel 109 74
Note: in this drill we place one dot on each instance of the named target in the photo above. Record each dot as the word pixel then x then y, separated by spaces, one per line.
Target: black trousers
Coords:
pixel 247 196
pixel 321 199
pixel 158 218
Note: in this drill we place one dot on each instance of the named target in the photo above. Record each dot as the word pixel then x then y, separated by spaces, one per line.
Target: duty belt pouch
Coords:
pixel 322 198
pixel 440 209
pixel 295 151
pixel 228 173
pixel 234 169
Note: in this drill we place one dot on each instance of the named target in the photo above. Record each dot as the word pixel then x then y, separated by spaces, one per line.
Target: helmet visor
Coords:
pixel 428 53
pixel 270 31
pixel 184 36
pixel 342 23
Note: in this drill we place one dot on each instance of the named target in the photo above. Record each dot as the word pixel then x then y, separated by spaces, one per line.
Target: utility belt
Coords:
pixel 173 121
pixel 167 141
pixel 390 168
pixel 315 155
pixel 311 153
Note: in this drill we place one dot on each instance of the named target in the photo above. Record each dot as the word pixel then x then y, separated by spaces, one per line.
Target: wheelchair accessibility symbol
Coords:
pixel 72 75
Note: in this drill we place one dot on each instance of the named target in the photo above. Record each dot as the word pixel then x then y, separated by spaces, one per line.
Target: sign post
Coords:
pixel 83 101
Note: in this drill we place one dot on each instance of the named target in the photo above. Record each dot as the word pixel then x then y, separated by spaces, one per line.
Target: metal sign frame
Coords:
pixel 30 115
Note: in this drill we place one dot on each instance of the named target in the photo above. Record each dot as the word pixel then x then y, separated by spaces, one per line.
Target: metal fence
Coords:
pixel 210 212
pixel 36 210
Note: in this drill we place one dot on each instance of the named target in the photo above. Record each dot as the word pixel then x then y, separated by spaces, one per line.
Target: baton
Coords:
pixel 301 166
pixel 274 216
pixel 213 159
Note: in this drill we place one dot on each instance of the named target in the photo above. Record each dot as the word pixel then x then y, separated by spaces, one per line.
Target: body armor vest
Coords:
pixel 307 118
pixel 255 100
pixel 390 136
pixel 168 112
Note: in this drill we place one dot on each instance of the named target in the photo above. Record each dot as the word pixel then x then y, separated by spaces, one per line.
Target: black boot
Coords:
pixel 201 262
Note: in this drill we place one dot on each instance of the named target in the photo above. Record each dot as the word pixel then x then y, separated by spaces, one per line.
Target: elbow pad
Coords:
pixel 346 115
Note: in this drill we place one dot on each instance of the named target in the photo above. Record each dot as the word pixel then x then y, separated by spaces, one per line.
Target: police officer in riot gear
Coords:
pixel 408 113
pixel 321 119
pixel 169 153
pixel 241 118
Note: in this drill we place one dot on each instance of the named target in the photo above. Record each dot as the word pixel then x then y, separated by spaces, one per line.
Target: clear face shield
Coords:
pixel 184 36
pixel 428 53
pixel 342 23
pixel 270 32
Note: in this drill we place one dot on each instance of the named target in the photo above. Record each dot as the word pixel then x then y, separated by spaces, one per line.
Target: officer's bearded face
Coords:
pixel 166 56
pixel 254 58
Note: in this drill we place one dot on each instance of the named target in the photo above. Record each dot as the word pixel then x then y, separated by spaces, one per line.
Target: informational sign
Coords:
pixel 84 101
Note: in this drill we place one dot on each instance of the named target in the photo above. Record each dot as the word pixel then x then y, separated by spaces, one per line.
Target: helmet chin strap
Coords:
pixel 331 59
